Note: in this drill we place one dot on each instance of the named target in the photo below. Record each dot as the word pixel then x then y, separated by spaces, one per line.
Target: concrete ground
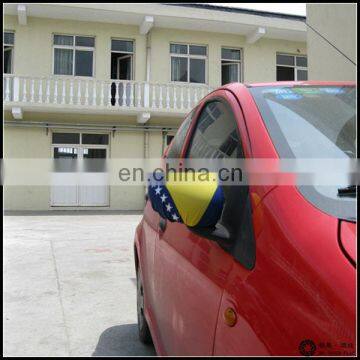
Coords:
pixel 69 285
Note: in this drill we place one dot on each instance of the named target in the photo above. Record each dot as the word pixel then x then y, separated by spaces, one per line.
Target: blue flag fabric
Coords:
pixel 161 199
pixel 214 210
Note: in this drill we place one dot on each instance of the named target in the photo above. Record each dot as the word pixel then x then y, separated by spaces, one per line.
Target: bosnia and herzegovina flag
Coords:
pixel 187 199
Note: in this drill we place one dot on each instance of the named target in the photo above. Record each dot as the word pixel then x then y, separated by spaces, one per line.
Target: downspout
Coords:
pixel 146 144
pixel 148 64
pixel 146 156
pixel 148 55
pixel 148 68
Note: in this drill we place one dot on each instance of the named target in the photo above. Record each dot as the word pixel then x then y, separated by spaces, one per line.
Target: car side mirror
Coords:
pixel 218 213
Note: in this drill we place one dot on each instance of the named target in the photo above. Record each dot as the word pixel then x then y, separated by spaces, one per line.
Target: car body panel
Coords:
pixel 186 270
pixel 298 290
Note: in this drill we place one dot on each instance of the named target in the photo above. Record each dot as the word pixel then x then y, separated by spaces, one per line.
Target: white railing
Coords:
pixel 97 93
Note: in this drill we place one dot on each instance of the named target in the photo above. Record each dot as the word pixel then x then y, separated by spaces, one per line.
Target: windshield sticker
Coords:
pixel 277 91
pixel 307 90
pixel 290 96
pixel 333 90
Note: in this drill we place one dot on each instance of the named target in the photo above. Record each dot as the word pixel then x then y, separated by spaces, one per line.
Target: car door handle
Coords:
pixel 162 224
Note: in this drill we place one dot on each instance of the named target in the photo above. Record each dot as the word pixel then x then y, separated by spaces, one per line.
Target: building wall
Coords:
pixel 259 59
pixel 337 23
pixel 20 143
pixel 37 34
pixel 35 143
pixel 259 64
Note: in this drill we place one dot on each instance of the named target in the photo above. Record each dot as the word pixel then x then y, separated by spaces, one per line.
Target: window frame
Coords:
pixel 74 47
pixel 80 145
pixel 189 56
pixel 12 51
pixel 229 62
pixel 125 52
pixel 191 115
pixel 295 67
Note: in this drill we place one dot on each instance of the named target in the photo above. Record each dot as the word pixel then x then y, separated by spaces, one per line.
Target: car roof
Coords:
pixel 297 83
pixel 234 86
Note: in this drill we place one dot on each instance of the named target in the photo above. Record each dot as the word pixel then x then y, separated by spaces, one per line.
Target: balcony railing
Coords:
pixel 109 94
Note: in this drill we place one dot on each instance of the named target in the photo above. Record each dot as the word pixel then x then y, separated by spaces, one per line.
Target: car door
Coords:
pixel 299 299
pixel 150 233
pixel 190 269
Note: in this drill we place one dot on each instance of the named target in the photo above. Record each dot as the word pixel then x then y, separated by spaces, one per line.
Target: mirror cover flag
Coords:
pixel 161 199
pixel 188 200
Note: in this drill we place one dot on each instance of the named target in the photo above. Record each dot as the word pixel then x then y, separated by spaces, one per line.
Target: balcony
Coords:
pixel 58 94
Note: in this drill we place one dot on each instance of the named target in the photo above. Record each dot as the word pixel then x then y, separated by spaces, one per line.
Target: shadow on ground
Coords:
pixel 122 340
pixel 71 212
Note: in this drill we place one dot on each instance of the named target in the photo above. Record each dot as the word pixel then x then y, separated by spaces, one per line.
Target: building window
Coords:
pixel 291 67
pixel 9 40
pixel 230 65
pixel 122 58
pixel 188 63
pixel 73 55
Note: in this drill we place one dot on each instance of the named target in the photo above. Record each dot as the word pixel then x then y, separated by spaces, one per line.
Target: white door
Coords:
pixel 94 188
pixel 124 72
pixel 79 176
pixel 124 67
pixel 64 189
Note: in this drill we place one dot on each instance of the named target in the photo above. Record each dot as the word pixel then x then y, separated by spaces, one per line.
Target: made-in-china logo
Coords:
pixel 307 347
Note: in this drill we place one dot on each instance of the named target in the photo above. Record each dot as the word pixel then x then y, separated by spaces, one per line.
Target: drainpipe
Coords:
pixel 146 94
pixel 148 62
pixel 146 156
pixel 146 144
pixel 145 29
pixel 148 55
pixel 148 69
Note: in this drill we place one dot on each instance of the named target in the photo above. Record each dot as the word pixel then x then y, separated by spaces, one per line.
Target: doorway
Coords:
pixel 121 66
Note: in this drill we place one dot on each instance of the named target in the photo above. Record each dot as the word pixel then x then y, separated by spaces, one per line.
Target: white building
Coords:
pixel 115 80
pixel 331 41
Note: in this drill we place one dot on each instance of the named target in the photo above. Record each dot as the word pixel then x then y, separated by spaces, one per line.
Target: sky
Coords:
pixel 285 8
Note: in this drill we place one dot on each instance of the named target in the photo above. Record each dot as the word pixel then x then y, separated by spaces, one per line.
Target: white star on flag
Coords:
pixel 158 190
pixel 163 198
pixel 168 207
pixel 175 217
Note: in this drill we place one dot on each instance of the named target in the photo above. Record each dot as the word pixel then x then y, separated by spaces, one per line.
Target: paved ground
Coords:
pixel 69 286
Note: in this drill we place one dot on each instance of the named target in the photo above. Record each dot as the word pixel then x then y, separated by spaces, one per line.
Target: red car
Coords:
pixel 283 282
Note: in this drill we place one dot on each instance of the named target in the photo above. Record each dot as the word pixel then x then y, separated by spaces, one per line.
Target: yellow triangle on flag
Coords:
pixel 191 194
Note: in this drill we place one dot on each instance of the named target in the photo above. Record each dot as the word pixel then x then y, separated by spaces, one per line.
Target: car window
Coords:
pixel 216 134
pixel 178 140
pixel 313 122
pixel 310 121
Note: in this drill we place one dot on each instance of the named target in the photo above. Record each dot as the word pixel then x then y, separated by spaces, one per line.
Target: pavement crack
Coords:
pixel 60 298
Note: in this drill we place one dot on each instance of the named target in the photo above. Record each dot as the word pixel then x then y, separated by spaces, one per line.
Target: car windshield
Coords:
pixel 312 122
pixel 315 121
